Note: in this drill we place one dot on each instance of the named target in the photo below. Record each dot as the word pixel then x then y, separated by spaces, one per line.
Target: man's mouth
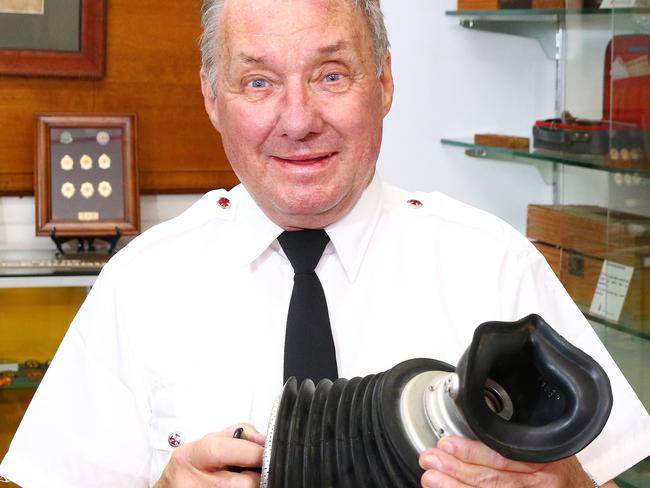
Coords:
pixel 304 159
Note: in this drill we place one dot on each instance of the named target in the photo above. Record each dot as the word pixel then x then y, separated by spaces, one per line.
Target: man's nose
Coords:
pixel 300 114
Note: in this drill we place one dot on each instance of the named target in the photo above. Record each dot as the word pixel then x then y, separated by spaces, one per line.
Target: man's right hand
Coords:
pixel 205 462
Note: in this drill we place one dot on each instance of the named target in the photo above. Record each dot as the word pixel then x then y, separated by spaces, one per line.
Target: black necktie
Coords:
pixel 308 344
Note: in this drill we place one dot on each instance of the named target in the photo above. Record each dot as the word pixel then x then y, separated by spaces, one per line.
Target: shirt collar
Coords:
pixel 350 235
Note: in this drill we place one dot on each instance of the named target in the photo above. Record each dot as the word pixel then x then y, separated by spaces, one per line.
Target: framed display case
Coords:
pixel 86 175
pixel 24 23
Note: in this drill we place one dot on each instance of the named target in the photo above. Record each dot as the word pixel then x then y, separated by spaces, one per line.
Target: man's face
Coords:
pixel 299 106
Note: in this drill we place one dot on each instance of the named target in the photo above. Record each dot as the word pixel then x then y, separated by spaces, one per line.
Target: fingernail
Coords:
pixel 429 480
pixel 432 462
pixel 446 446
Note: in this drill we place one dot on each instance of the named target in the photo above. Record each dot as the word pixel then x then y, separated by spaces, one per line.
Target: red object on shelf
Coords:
pixel 627 98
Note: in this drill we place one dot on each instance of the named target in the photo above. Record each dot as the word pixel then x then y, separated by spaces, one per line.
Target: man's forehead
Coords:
pixel 245 57
pixel 286 18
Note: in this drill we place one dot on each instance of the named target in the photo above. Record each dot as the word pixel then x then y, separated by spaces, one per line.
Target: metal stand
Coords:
pixel 85 245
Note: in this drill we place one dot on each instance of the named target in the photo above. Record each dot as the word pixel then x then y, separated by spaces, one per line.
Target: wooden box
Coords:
pixel 579 274
pixel 589 230
pixel 500 140
pixel 553 255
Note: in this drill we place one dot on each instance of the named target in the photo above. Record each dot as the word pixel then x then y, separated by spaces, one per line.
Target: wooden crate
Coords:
pixel 590 230
pixel 579 274
pixel 553 255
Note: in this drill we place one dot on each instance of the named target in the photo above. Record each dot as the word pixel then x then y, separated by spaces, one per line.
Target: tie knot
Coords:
pixel 304 248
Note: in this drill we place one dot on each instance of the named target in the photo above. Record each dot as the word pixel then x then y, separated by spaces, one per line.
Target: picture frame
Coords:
pixel 88 62
pixel 86 176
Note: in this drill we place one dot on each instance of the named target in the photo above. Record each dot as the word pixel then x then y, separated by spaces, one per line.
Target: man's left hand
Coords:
pixel 465 463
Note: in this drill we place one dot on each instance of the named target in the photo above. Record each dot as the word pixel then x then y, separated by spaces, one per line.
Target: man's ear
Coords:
pixel 386 80
pixel 209 100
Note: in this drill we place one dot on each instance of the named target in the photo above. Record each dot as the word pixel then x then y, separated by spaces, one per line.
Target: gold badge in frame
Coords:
pixel 104 189
pixel 86 162
pixel 104 161
pixel 68 190
pixel 67 163
pixel 87 189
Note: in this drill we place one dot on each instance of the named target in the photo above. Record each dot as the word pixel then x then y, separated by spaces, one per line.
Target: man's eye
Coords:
pixel 258 83
pixel 333 77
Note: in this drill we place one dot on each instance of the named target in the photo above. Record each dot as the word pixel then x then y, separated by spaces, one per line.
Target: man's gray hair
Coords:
pixel 211 16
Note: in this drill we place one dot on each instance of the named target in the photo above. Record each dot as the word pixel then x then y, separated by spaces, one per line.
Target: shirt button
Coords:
pixel 413 203
pixel 224 203
pixel 175 439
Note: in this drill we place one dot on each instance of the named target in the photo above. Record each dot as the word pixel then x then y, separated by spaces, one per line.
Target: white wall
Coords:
pixel 454 82
pixel 17 219
pixel 450 82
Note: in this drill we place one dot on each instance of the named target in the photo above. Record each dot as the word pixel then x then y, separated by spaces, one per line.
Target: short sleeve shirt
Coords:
pixel 183 332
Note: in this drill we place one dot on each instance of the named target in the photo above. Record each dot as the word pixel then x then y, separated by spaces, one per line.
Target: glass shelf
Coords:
pixel 541 24
pixel 521 155
pixel 24 269
pixel 641 335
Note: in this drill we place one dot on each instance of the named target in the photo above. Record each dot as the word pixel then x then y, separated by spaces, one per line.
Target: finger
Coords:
pixel 246 479
pixel 470 474
pixel 215 451
pixel 475 452
pixel 249 433
pixel 436 479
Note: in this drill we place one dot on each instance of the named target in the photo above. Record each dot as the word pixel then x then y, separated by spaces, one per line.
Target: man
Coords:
pixel 184 330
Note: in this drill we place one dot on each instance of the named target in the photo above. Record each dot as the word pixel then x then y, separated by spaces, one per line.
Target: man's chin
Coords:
pixel 308 214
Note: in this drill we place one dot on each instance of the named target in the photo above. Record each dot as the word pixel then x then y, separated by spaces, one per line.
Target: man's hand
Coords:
pixel 206 461
pixel 465 463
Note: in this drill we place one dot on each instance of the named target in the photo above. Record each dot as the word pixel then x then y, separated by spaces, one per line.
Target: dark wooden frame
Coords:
pixel 45 224
pixel 89 62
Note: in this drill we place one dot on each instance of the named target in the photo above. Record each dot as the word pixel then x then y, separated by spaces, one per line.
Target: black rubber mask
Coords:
pixel 520 388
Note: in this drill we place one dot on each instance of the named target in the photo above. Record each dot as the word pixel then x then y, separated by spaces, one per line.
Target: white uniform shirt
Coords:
pixel 183 331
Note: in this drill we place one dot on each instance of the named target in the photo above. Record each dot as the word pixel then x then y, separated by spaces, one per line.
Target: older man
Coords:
pixel 184 330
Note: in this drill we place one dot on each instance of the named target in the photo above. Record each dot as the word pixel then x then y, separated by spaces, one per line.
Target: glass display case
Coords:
pixel 595 152
pixel 39 296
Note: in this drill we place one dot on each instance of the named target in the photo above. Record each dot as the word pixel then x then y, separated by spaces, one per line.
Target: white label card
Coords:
pixel 611 290
pixel 618 3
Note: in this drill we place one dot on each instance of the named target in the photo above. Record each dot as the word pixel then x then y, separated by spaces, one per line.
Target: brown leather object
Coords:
pixel 570 4
pixel 499 140
pixel 493 4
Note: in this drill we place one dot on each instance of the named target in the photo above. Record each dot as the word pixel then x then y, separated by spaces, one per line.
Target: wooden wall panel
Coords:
pixel 152 69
